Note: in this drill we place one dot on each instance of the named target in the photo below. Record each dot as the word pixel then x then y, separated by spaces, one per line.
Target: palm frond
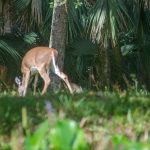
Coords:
pixel 77 14
pixel 128 49
pixel 30 38
pixel 36 11
pixel 80 55
pixel 1 22
pixel 83 47
pixel 21 5
pixel 96 20
pixel 29 13
pixel 108 16
pixel 6 49
pixel 1 11
pixel 47 17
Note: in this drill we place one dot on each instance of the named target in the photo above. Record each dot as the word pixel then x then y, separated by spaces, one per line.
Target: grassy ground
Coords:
pixel 110 120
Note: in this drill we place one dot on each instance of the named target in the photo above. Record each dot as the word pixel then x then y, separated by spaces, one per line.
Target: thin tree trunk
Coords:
pixel 57 37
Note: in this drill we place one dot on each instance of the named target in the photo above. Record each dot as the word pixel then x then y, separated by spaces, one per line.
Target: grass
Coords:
pixel 110 120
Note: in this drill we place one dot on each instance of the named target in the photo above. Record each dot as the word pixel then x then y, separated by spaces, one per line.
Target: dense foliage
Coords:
pixel 107 120
pixel 107 41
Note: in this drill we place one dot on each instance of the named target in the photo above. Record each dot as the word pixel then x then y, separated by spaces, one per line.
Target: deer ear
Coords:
pixel 18 81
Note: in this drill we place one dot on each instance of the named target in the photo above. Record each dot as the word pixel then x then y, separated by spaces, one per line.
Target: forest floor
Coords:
pixel 109 120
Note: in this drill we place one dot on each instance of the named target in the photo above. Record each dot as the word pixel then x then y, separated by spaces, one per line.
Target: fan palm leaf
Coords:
pixel 108 16
pixel 29 13
pixel 77 16
pixel 107 19
pixel 7 49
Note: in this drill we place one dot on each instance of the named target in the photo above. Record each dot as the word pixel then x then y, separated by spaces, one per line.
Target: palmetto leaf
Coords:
pixel 47 17
pixel 80 55
pixel 1 22
pixel 107 17
pixel 1 6
pixel 82 46
pixel 128 49
pixel 36 11
pixel 141 18
pixel 30 38
pixel 21 4
pixel 5 48
pixel 77 15
pixel 29 13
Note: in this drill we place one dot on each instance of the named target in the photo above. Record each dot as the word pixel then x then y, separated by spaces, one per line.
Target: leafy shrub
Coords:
pixel 122 142
pixel 64 135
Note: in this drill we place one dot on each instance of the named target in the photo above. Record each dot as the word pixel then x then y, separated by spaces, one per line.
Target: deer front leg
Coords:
pixel 46 79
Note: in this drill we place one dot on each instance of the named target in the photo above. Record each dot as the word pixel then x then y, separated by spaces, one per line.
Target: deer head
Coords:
pixel 20 86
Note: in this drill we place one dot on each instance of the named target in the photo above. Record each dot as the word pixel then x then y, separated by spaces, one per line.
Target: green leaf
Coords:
pixel 38 139
pixel 66 135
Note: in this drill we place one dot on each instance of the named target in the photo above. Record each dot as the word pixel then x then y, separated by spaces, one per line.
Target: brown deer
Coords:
pixel 38 61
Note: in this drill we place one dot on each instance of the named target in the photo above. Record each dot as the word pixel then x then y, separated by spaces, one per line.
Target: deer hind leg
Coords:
pixel 35 83
pixel 26 77
pixel 46 79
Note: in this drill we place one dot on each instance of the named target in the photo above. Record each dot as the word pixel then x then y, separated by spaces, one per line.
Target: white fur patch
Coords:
pixel 33 70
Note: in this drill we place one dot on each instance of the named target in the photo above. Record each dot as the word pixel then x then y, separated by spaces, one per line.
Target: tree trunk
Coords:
pixel 57 37
pixel 118 65
pixel 104 65
pixel 7 17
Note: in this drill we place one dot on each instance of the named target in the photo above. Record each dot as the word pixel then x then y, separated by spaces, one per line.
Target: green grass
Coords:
pixel 110 120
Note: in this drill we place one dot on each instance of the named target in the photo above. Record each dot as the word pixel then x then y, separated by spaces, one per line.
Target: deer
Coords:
pixel 38 61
